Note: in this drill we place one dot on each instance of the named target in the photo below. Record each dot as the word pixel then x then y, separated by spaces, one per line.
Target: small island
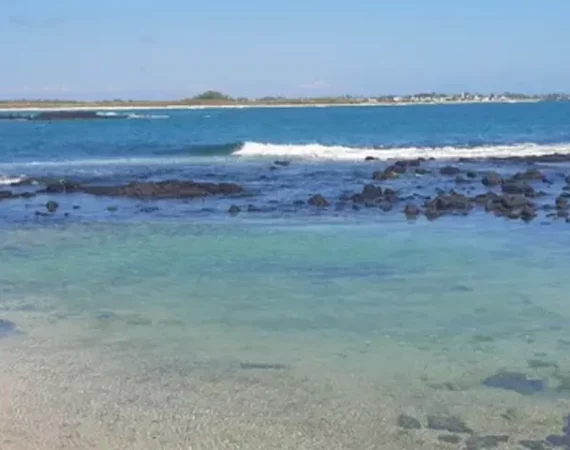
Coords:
pixel 215 99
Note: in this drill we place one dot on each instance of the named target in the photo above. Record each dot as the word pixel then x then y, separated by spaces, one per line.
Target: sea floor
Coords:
pixel 284 336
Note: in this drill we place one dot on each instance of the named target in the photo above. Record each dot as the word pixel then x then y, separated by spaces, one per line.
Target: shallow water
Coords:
pixel 185 327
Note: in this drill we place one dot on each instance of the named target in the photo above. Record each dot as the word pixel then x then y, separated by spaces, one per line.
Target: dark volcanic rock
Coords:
pixel 6 328
pixel 73 115
pixel 515 381
pixel 483 442
pixel 234 209
pixel 449 438
pixel 561 202
pixel 170 189
pixel 559 440
pixel 448 423
pixel 371 192
pixel 411 211
pixel 385 175
pixel 52 206
pixel 518 187
pixel 408 422
pixel 449 170
pixel 370 158
pixel 534 445
pixel 449 203
pixel 318 201
pixel 491 179
pixel 530 175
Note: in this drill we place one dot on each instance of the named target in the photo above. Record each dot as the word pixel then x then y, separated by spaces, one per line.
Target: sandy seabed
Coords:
pixel 70 384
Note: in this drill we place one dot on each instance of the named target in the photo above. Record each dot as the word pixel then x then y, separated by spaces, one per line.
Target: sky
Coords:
pixel 145 49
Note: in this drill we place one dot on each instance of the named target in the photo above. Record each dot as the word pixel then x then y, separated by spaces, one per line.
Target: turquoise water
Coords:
pixel 279 330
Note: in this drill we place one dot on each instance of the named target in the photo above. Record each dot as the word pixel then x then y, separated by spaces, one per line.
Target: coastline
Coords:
pixel 160 106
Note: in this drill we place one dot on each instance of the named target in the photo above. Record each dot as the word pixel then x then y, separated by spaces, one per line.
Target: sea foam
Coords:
pixel 318 151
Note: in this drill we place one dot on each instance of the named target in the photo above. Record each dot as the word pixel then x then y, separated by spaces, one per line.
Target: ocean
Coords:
pixel 264 320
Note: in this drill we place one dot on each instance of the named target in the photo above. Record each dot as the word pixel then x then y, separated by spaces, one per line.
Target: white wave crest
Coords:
pixel 4 180
pixel 318 151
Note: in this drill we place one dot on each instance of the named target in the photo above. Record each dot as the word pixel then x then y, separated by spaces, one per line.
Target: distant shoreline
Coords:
pixel 145 106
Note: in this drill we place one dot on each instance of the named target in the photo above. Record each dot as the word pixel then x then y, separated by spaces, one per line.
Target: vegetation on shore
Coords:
pixel 215 98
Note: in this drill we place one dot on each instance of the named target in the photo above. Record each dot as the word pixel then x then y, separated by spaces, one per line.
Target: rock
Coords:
pixel 448 423
pixel 561 202
pixel 559 440
pixel 470 174
pixel 449 170
pixel 370 158
pixel 491 179
pixel 408 422
pixel 534 445
pixel 318 201
pixel 112 208
pixel 299 203
pixel 385 206
pixel 460 180
pixel 282 163
pixel 234 209
pixel 52 206
pixel 530 175
pixel 518 187
pixel 148 209
pixel 422 171
pixel 483 442
pixel 371 192
pixel 263 366
pixel 451 202
pixel 171 189
pixel 449 439
pixel 76 207
pixel 7 328
pixel 385 175
pixel 391 195
pixel 411 211
pixel 562 213
pixel 253 209
pixel 515 381
pixel 73 115
pixel 528 213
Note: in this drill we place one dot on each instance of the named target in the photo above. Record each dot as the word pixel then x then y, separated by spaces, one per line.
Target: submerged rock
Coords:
pixel 518 187
pixel 319 201
pixel 408 422
pixel 450 170
pixel 282 163
pixel 411 211
pixel 483 442
pixel 234 209
pixel 448 423
pixel 6 328
pixel 52 206
pixel 491 179
pixel 515 381
pixel 534 445
pixel 262 366
pixel 170 189
pixel 449 438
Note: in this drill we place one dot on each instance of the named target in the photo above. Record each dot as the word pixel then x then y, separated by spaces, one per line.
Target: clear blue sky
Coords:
pixel 175 48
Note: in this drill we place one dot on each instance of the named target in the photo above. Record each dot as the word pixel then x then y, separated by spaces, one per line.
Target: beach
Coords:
pixel 337 278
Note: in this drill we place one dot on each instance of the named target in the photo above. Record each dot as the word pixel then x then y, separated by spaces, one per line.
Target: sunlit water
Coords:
pixel 284 330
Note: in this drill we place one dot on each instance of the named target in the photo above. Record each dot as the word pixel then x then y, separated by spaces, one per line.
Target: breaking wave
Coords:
pixel 318 151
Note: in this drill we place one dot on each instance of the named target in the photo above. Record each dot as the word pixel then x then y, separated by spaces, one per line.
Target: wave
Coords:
pixel 342 153
pixel 314 152
pixel 132 115
pixel 5 180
